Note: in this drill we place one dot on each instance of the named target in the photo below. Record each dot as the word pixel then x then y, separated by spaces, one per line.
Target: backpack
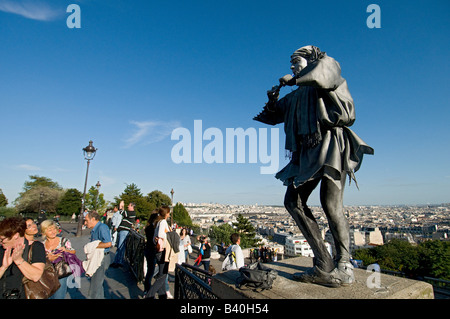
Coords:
pixel 256 276
pixel 229 263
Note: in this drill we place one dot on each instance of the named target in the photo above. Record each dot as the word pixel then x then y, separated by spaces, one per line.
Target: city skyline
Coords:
pixel 132 74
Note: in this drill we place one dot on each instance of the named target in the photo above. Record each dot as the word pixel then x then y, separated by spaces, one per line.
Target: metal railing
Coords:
pixel 192 283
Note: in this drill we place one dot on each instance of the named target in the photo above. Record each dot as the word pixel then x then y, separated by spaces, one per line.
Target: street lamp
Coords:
pixel 41 195
pixel 89 154
pixel 98 185
pixel 171 195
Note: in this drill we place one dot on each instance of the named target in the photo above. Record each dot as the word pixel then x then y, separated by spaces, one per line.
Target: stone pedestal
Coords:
pixel 284 287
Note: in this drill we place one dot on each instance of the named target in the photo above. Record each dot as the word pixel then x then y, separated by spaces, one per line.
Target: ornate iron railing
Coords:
pixel 192 283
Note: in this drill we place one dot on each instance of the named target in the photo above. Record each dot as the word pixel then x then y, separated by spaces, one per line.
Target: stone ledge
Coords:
pixel 284 287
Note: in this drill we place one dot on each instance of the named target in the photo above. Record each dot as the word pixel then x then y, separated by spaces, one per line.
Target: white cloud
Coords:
pixel 27 167
pixel 150 132
pixel 31 9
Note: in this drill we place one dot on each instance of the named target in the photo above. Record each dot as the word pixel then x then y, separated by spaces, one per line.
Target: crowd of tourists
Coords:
pixel 25 259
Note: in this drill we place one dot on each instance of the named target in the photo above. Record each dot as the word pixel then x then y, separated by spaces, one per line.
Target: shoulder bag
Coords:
pixel 46 286
pixel 61 264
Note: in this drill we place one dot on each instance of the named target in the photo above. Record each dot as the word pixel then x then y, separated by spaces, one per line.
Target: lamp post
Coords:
pixel 89 154
pixel 41 195
pixel 171 195
pixel 98 185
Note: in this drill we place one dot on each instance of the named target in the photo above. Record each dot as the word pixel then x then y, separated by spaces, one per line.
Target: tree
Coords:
pixel 159 199
pixel 3 199
pixel 434 256
pixel 39 197
pixel 95 200
pixel 221 233
pixel 39 192
pixel 40 181
pixel 70 202
pixel 181 216
pixel 365 256
pixel 398 255
pixel 430 258
pixel 246 231
pixel 8 211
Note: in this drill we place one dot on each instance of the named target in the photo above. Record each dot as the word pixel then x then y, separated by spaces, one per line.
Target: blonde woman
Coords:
pixel 54 247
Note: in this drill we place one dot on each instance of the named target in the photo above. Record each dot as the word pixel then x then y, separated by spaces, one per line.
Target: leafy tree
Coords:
pixel 430 258
pixel 398 255
pixel 3 199
pixel 70 202
pixel 434 256
pixel 246 231
pixel 95 200
pixel 158 198
pixel 221 233
pixel 8 211
pixel 39 191
pixel 40 181
pixel 39 197
pixel 366 256
pixel 181 216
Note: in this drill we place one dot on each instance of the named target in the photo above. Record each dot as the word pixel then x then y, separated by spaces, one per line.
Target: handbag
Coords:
pixel 67 264
pixel 46 286
pixel 62 267
pixel 159 244
pixel 189 249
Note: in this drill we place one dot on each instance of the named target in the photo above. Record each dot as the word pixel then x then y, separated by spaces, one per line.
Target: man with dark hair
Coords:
pixel 323 149
pixel 234 256
pixel 128 220
pixel 99 232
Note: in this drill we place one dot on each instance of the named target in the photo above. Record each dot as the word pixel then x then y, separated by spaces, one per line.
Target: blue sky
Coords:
pixel 134 72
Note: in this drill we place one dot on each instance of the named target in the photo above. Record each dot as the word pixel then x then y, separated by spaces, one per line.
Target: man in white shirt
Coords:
pixel 236 249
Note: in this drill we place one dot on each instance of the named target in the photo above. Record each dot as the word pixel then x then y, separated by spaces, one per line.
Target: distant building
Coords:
pixel 281 238
pixel 295 246
pixel 365 237
pixel 298 246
